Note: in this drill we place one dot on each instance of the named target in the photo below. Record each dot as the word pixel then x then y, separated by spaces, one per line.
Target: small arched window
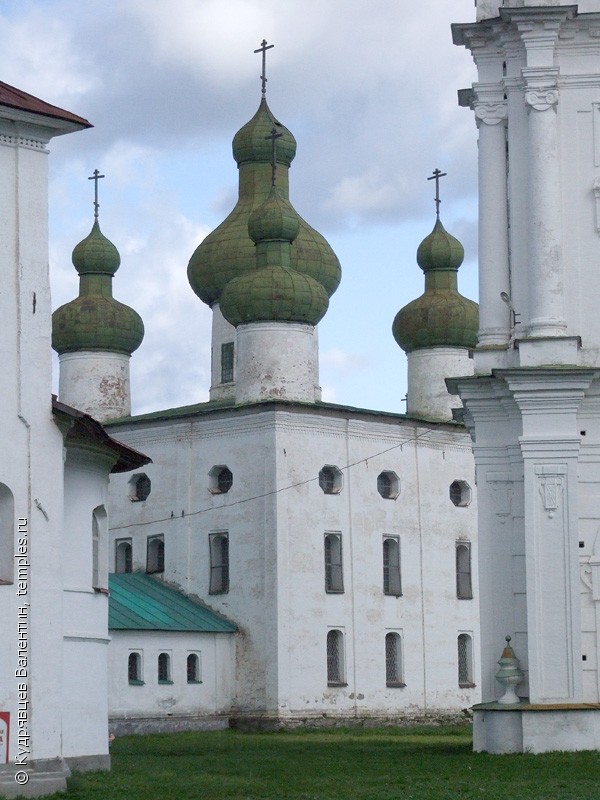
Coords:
pixel 335 658
pixel 393 660
pixel 219 562
pixel 464 584
pixel 7 535
pixel 465 661
pixel 134 669
pixel 164 668
pixel 123 555
pixel 193 668
pixel 334 569
pixel 155 554
pixel 392 582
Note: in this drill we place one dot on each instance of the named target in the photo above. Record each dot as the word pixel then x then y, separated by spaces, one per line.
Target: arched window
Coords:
pixel 464 587
pixel 335 658
pixel 465 661
pixel 219 562
pixel 334 571
pixel 392 583
pixel 164 668
pixel 393 660
pixel 7 535
pixel 123 555
pixel 193 668
pixel 99 548
pixel 134 669
pixel 155 554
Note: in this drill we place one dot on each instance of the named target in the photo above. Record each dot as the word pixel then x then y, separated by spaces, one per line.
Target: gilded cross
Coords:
pixel 273 136
pixel 263 49
pixel 437 174
pixel 96 177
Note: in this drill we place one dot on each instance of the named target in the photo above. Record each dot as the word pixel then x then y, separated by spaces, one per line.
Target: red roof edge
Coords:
pixel 16 98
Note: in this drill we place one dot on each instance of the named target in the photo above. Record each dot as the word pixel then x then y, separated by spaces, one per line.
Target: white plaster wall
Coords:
pixel 84 681
pixel 277 594
pixel 277 360
pixel 428 396
pixel 96 383
pixel 33 467
pixel 212 696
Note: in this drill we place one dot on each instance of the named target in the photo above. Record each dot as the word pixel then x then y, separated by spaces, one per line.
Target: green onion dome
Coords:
pixel 95 320
pixel 274 294
pixel 441 317
pixel 252 142
pixel 274 220
pixel 228 252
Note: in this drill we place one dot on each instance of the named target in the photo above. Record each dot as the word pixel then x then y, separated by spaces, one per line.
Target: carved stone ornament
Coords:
pixel 541 100
pixel 491 113
pixel 550 490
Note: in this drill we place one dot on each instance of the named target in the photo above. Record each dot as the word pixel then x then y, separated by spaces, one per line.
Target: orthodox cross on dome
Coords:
pixel 96 177
pixel 263 49
pixel 437 174
pixel 273 136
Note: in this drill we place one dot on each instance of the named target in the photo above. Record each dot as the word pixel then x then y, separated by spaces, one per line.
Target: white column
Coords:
pixel 550 443
pixel 428 396
pixel 546 289
pixel 494 319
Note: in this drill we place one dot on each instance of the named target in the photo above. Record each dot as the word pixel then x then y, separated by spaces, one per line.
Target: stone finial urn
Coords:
pixel 509 675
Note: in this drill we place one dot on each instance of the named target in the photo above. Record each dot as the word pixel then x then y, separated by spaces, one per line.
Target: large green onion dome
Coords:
pixel 95 320
pixel 440 317
pixel 274 291
pixel 228 252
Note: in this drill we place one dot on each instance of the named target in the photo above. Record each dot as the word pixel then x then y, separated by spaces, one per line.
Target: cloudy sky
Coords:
pixel 368 87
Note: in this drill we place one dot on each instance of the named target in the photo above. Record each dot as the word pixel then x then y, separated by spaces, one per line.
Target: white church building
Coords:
pixel 340 542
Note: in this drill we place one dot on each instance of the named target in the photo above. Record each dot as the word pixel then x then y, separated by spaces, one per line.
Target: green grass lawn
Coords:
pixel 349 764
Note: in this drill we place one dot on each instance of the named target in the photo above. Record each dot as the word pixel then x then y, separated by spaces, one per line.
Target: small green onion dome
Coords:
pixel 95 320
pixel 228 252
pixel 252 143
pixel 274 220
pixel 441 317
pixel 440 250
pixel 96 254
pixel 274 294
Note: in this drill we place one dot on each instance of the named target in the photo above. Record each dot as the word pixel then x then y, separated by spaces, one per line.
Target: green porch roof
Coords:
pixel 139 602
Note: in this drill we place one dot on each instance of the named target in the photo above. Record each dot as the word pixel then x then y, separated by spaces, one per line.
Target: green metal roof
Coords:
pixel 139 602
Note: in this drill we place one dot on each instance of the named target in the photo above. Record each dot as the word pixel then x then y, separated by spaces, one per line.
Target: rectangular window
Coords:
pixel 155 554
pixel 392 582
pixel 393 659
pixel 99 549
pixel 465 661
pixel 227 352
pixel 336 673
pixel 334 573
pixel 464 588
pixel 219 562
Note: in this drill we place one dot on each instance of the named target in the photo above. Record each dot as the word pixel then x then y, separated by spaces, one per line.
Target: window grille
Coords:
pixel 465 661
pixel 155 554
pixel 123 555
pixel 464 588
pixel 327 480
pixel 334 572
pixel 227 352
pixel 393 659
pixel 335 658
pixel 134 668
pixel 140 487
pixel 224 480
pixel 193 668
pixel 219 563
pixel 164 675
pixel 392 581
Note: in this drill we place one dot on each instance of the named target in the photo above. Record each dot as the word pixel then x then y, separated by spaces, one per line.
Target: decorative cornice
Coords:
pixel 23 141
